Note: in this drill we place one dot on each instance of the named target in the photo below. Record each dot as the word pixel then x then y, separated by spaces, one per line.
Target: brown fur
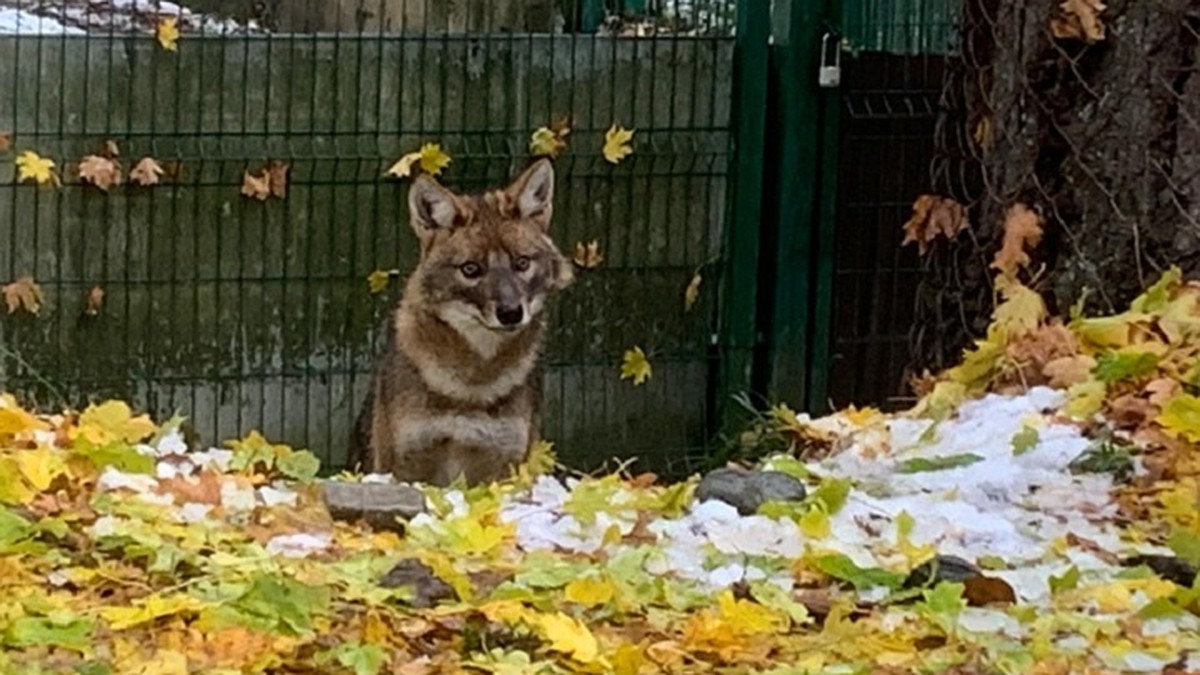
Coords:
pixel 456 391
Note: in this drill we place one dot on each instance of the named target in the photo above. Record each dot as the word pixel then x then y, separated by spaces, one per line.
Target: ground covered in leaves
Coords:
pixel 1035 513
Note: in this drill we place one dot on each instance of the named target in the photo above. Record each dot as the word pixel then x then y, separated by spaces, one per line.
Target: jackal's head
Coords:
pixel 487 260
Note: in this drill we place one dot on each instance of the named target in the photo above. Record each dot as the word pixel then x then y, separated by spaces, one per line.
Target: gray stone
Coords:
pixel 748 490
pixel 941 568
pixel 379 504
pixel 427 588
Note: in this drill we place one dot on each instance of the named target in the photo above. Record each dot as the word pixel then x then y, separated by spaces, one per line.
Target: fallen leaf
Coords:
pixel 5 141
pixel 102 172
pixel 378 280
pixel 31 166
pixel 277 176
pixel 1079 20
pixel 932 217
pixel 1022 228
pixel 617 144
pixel 635 366
pixel 1022 310
pixel 94 301
pixel 403 166
pixel 110 149
pixel 1161 390
pixel 167 34
pixel 1066 371
pixel 1093 548
pixel 146 172
pixel 1180 417
pixel 258 187
pixel 24 293
pixel 545 142
pixel 692 293
pixel 569 636
pixel 589 591
pixel 980 591
pixel 588 255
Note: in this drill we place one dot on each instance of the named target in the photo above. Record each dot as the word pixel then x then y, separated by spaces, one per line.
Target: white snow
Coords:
pixel 19 22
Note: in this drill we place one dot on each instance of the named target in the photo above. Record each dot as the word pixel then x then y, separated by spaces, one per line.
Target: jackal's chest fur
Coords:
pixel 443 409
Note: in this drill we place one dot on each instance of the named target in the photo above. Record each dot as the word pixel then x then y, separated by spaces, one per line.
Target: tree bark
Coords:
pixel 1102 139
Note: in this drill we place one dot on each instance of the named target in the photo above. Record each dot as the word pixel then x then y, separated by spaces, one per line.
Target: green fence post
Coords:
pixel 803 178
pixel 829 138
pixel 739 332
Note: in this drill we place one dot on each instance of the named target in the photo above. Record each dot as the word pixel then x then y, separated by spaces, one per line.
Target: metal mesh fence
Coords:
pixel 244 313
pixel 1089 113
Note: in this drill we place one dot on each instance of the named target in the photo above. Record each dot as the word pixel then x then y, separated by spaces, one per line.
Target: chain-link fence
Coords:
pixel 219 199
pixel 1087 112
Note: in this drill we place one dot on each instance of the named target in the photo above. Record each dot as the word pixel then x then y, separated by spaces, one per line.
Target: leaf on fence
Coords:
pixel 588 255
pixel 431 158
pixel 24 293
pixel 617 144
pixel 635 366
pixel 146 172
pixel 94 301
pixel 5 141
pixel 277 175
pixel 1079 20
pixel 546 143
pixel 111 149
pixel 256 186
pixel 378 280
pixel 31 166
pixel 167 34
pixel 933 216
pixel 1022 229
pixel 692 293
pixel 102 172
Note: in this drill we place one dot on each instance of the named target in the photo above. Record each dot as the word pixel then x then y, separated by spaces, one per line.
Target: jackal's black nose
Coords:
pixel 510 316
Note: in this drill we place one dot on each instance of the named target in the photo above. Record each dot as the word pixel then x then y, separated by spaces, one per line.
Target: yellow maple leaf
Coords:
pixel 589 591
pixel 31 166
pixel 13 488
pixel 41 467
pixel 150 608
pixel 112 421
pixel 617 144
pixel 164 662
pixel 1021 311
pixel 15 420
pixel 570 637
pixel 377 281
pixel 167 34
pixel 1085 399
pixel 430 157
pixel 545 142
pixel 635 366
pixel 1180 417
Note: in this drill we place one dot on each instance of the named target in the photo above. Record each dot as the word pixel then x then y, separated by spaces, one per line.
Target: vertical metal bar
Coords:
pixel 738 333
pixel 828 135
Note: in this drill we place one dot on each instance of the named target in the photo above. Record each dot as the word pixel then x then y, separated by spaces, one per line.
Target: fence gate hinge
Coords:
pixel 830 74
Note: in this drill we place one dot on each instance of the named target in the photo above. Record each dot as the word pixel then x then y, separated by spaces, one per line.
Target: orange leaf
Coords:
pixel 1022 228
pixel 588 256
pixel 102 172
pixel 24 293
pixel 277 174
pixel 1079 20
pixel 5 141
pixel 95 300
pixel 933 216
pixel 146 172
pixel 258 187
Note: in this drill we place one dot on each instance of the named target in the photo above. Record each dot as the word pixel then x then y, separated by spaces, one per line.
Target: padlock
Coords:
pixel 830 73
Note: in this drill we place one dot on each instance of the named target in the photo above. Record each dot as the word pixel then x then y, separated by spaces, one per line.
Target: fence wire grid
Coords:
pixel 188 296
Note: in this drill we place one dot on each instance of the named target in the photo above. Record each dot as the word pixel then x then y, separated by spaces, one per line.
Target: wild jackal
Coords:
pixel 456 390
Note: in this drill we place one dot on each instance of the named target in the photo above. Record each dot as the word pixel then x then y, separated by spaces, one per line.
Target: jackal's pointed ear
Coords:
pixel 431 207
pixel 533 193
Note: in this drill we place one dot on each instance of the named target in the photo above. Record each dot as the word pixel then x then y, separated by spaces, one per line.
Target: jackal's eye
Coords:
pixel 521 263
pixel 471 269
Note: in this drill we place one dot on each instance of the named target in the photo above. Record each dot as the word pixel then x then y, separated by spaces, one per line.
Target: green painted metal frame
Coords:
pixel 798 236
pixel 739 334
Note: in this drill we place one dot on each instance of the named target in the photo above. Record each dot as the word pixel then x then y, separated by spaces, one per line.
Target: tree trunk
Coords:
pixel 1102 139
